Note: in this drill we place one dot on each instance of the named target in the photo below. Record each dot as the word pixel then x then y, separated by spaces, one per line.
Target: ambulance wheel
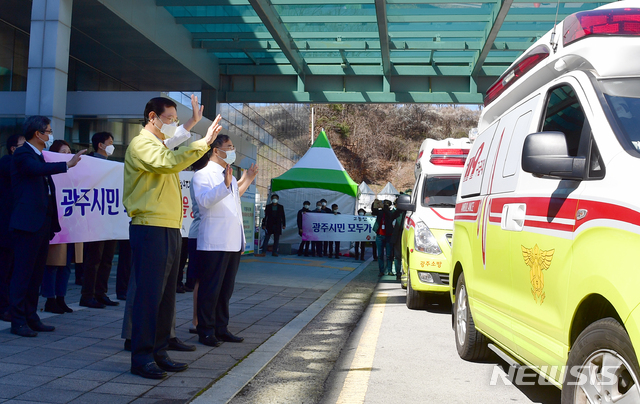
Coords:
pixel 471 345
pixel 602 366
pixel 415 300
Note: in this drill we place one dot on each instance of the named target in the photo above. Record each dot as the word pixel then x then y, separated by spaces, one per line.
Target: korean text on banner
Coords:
pixel 328 227
pixel 187 204
pixel 89 198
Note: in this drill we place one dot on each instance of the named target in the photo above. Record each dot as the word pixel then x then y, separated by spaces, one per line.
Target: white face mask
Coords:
pixel 167 129
pixel 324 204
pixel 231 156
pixel 305 206
pixel 274 201
pixel 360 213
pixel 318 207
pixel 110 149
pixel 49 142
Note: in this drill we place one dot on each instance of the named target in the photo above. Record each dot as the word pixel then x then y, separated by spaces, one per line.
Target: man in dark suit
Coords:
pixel 6 206
pixel 33 223
pixel 273 223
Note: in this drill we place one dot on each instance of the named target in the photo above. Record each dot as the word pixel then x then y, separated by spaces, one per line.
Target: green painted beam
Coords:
pixel 322 2
pixel 498 15
pixel 351 97
pixel 352 46
pixel 301 35
pixel 354 19
pixel 272 21
pixel 381 17
pixel 359 70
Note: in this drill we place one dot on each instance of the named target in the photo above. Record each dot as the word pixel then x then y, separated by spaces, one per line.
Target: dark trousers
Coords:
pixel 217 279
pixel 156 253
pixel 193 269
pixel 304 245
pixel 337 243
pixel 325 247
pixel 123 273
pixel 6 269
pixel 316 248
pixel 98 259
pixel 30 256
pixel 184 254
pixel 276 242
pixel 359 247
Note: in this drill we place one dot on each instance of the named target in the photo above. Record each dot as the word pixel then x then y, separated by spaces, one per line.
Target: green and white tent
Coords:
pixel 317 175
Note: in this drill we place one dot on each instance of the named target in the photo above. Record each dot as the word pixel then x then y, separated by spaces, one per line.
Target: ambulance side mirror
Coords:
pixel 404 203
pixel 545 154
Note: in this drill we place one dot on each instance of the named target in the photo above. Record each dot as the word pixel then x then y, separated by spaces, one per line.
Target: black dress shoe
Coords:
pixel 171 366
pixel 188 288
pixel 92 304
pixel 149 371
pixel 39 327
pixel 63 305
pixel 127 345
pixel 209 340
pixel 51 306
pixel 23 331
pixel 5 316
pixel 180 289
pixel 228 337
pixel 193 330
pixel 106 301
pixel 176 345
pixel 122 297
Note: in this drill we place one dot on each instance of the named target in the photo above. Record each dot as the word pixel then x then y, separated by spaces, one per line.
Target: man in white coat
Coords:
pixel 221 239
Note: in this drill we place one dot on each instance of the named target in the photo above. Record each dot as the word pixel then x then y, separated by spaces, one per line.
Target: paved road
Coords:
pixel 397 355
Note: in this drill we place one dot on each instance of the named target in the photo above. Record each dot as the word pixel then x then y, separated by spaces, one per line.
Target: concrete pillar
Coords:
pixel 49 61
pixel 208 98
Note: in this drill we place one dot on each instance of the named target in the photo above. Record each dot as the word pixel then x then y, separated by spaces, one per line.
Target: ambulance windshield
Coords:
pixel 439 191
pixel 623 97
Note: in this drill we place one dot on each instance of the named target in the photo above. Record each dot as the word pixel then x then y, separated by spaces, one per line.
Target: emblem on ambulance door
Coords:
pixel 538 260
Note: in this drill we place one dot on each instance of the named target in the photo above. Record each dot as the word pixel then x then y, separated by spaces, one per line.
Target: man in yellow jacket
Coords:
pixel 153 199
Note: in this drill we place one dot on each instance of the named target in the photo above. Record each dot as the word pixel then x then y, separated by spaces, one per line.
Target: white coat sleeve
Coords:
pixel 181 136
pixel 207 193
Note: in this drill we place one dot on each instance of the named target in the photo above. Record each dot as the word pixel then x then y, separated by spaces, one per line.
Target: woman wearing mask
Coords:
pixel 360 244
pixel 57 271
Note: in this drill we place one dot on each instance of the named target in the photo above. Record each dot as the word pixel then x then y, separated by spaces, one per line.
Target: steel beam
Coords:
pixel 351 97
pixel 381 18
pixel 394 35
pixel 278 31
pixel 500 11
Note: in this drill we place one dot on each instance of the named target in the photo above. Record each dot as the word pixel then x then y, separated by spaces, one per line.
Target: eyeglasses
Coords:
pixel 227 148
pixel 46 132
pixel 172 119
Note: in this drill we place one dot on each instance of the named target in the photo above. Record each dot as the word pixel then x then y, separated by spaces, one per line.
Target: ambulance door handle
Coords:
pixel 513 216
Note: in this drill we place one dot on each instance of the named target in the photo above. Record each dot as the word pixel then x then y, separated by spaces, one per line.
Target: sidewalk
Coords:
pixel 83 360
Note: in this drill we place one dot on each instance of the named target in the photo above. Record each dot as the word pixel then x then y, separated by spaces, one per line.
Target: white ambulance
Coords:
pixel 545 270
pixel 428 227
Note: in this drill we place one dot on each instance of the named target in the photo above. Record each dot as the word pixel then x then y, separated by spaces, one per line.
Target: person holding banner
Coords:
pixel 359 246
pixel 221 239
pixel 334 210
pixel 153 199
pixel 34 221
pixel 303 244
pixel 316 246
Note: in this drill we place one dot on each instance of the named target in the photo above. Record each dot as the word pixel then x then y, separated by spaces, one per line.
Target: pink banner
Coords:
pixel 330 227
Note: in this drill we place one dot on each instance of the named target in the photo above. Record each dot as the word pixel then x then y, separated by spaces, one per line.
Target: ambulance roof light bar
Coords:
pixel 449 157
pixel 513 74
pixel 621 21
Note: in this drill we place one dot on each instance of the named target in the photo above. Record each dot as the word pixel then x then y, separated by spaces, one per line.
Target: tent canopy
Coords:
pixel 388 190
pixel 365 189
pixel 318 168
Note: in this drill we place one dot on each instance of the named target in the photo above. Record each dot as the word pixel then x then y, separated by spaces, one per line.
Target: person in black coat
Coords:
pixel 396 239
pixel 384 233
pixel 6 206
pixel 33 223
pixel 334 210
pixel 316 246
pixel 274 222
pixel 303 244
pixel 325 244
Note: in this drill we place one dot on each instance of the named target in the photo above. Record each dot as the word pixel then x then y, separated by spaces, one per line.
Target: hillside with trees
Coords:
pixel 377 143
